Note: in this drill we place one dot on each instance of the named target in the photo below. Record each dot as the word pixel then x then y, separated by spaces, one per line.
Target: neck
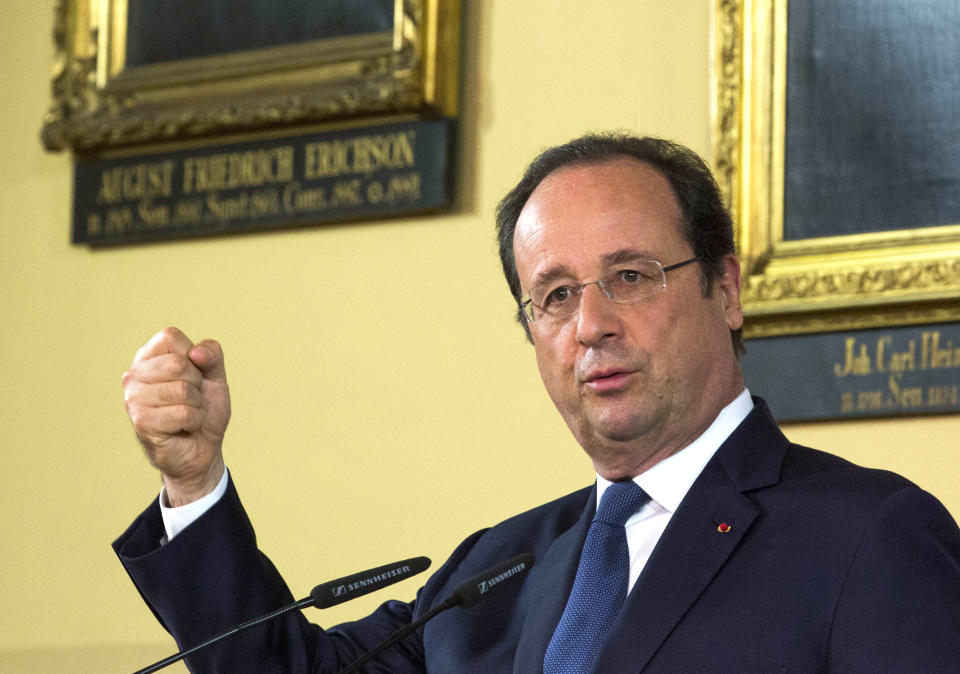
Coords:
pixel 618 460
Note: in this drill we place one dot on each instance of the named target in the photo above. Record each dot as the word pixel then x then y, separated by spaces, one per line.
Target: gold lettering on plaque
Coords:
pixel 363 154
pixel 140 181
pixel 231 170
pixel 934 356
pixel 857 361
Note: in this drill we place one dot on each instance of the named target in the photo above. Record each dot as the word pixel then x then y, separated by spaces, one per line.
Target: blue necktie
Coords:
pixel 600 586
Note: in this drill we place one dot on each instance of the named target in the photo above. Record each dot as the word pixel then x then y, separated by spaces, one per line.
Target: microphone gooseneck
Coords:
pixel 324 595
pixel 464 595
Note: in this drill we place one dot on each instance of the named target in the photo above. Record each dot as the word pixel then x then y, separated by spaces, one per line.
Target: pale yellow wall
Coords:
pixel 344 395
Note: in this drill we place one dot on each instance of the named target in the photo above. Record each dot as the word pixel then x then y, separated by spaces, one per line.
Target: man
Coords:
pixel 717 545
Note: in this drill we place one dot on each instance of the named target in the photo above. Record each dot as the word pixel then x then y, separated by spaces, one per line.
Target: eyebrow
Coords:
pixel 616 257
pixel 625 255
pixel 551 274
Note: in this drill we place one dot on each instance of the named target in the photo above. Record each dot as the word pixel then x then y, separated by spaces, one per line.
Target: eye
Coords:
pixel 634 276
pixel 558 295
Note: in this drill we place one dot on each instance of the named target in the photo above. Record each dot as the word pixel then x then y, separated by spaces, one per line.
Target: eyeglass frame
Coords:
pixel 580 287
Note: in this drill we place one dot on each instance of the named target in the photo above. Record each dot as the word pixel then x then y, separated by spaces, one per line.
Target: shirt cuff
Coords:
pixel 177 519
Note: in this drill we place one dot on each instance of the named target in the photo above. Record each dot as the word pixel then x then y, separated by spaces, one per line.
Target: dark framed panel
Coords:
pixel 838 146
pixel 175 30
pixel 133 72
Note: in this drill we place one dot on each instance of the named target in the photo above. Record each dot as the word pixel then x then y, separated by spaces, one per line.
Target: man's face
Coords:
pixel 634 382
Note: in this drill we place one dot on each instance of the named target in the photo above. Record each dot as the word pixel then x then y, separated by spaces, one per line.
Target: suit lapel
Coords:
pixel 549 585
pixel 692 549
pixel 686 559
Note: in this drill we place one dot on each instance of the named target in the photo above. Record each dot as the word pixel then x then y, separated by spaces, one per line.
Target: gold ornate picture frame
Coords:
pixel 101 103
pixel 823 284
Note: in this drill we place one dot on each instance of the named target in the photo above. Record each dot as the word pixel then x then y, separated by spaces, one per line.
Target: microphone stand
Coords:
pixel 160 664
pixel 324 595
pixel 400 634
pixel 464 595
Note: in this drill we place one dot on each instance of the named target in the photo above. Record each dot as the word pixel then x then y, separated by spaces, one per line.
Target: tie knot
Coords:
pixel 619 502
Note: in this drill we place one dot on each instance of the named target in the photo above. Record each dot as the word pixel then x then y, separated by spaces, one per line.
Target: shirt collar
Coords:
pixel 668 481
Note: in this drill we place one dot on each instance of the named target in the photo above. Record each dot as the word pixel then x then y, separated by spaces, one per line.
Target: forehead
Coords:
pixel 581 213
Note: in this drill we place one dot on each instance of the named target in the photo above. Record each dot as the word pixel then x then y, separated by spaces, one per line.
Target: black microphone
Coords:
pixel 472 590
pixel 464 595
pixel 344 589
pixel 324 595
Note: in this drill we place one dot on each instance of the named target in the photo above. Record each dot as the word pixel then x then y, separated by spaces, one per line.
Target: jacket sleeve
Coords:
pixel 899 609
pixel 212 577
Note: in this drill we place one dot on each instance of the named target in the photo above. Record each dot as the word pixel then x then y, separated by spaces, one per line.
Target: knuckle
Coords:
pixel 136 418
pixel 169 367
pixel 177 391
pixel 172 363
pixel 170 333
pixel 130 387
pixel 181 415
pixel 183 389
pixel 182 365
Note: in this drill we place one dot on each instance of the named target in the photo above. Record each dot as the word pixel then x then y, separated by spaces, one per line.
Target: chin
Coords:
pixel 610 431
pixel 619 425
pixel 617 435
pixel 609 425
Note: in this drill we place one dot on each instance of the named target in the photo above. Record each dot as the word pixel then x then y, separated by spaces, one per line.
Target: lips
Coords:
pixel 602 374
pixel 607 380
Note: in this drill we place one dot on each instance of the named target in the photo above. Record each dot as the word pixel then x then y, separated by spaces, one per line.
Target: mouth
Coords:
pixel 605 381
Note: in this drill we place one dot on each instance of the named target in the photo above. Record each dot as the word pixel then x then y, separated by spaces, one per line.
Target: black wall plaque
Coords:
pixel 384 170
pixel 863 373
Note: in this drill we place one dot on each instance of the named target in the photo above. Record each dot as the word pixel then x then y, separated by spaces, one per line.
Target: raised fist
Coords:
pixel 177 397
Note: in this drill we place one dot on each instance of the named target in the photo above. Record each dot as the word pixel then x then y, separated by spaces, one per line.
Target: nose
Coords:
pixel 599 316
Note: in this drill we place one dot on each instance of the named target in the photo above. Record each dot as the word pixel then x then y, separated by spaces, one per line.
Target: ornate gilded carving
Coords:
pixel 88 115
pixel 854 284
pixel 74 72
pixel 726 112
pixel 875 317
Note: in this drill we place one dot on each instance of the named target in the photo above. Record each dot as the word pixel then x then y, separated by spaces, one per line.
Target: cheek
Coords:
pixel 653 331
pixel 670 344
pixel 697 343
pixel 555 360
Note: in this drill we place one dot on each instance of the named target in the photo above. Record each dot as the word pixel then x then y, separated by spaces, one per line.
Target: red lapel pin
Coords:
pixel 723 527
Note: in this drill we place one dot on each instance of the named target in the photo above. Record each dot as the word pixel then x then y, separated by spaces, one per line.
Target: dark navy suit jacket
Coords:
pixel 826 567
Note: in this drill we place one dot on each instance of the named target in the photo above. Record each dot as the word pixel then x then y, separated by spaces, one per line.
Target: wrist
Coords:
pixel 179 491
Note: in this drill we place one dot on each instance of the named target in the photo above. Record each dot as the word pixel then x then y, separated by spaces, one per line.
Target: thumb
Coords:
pixel 208 357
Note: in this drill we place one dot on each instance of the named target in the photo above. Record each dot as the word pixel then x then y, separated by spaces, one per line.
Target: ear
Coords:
pixel 729 291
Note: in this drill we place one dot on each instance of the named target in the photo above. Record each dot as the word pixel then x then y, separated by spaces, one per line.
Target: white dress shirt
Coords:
pixel 668 482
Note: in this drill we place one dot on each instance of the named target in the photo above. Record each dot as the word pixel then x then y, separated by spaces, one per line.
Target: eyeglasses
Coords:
pixel 633 281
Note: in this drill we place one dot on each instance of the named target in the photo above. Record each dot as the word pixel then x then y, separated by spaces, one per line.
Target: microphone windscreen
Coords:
pixel 470 591
pixel 349 587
